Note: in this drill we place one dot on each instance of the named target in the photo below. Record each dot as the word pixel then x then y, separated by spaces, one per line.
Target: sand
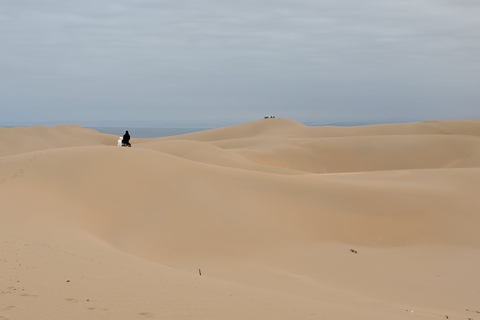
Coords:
pixel 269 219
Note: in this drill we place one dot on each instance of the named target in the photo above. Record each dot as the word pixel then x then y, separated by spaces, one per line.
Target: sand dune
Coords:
pixel 28 139
pixel 285 222
pixel 291 145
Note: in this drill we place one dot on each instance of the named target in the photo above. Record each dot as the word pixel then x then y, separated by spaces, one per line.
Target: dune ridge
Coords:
pixel 368 222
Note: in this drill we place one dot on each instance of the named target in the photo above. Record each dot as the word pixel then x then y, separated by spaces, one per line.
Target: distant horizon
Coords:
pixel 205 125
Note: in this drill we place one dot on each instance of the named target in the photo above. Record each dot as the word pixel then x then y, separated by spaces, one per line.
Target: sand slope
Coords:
pixel 285 222
pixel 35 138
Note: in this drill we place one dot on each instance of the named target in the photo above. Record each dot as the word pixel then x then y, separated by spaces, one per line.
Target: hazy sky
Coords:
pixel 212 61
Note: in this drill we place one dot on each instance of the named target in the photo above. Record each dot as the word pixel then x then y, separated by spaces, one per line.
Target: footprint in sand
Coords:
pixel 72 299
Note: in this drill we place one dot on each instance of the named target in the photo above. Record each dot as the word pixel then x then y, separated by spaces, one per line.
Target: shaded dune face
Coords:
pixel 166 202
pixel 272 198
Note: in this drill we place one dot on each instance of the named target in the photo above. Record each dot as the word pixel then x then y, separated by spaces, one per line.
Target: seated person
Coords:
pixel 126 140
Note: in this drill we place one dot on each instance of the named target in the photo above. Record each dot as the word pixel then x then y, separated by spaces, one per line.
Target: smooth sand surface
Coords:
pixel 283 221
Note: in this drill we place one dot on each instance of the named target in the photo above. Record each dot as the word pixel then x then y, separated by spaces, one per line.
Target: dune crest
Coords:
pixel 271 218
pixel 27 139
pixel 285 144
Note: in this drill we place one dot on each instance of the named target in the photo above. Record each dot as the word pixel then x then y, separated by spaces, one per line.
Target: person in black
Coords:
pixel 126 140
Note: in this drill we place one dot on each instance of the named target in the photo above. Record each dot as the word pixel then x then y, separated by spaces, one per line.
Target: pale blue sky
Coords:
pixel 224 62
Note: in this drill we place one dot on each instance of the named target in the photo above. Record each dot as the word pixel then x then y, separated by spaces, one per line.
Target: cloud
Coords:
pixel 302 59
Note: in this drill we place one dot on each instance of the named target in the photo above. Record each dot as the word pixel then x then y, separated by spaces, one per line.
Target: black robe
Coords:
pixel 126 139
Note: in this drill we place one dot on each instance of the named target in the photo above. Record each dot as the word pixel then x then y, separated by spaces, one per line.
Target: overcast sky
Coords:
pixel 225 62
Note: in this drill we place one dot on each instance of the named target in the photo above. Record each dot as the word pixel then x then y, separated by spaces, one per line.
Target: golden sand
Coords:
pixel 269 219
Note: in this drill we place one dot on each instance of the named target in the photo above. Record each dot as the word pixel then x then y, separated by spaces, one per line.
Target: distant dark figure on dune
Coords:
pixel 126 140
